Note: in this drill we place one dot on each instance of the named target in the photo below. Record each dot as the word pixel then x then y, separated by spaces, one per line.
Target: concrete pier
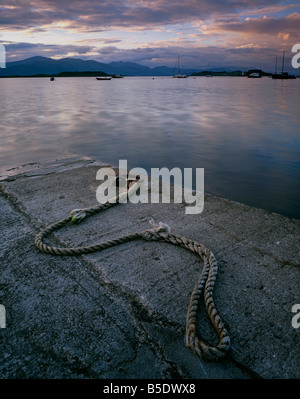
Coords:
pixel 120 313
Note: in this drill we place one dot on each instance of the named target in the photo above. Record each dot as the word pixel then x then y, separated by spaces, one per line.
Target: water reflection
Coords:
pixel 242 131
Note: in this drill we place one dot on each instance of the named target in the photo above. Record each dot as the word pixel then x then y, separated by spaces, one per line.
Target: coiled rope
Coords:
pixel 160 232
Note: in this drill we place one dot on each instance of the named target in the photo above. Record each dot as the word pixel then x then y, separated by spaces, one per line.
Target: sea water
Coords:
pixel 244 132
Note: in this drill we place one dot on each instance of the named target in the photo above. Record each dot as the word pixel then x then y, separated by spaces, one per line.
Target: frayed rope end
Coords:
pixel 160 227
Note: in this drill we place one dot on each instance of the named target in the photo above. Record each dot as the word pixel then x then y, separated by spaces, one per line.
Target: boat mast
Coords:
pixel 282 62
pixel 276 66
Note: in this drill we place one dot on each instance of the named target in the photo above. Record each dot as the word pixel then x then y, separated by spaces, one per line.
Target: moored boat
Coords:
pixel 254 73
pixel 104 78
pixel 179 75
pixel 282 75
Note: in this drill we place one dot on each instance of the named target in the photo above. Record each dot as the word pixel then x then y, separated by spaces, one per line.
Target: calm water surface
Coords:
pixel 244 132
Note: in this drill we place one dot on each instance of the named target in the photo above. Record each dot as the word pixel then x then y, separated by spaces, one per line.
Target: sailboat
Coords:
pixel 282 75
pixel 179 75
pixel 208 74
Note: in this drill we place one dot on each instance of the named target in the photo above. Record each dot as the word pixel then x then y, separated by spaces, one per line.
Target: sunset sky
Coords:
pixel 243 33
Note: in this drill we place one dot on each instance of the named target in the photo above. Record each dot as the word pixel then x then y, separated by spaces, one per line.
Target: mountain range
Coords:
pixel 43 65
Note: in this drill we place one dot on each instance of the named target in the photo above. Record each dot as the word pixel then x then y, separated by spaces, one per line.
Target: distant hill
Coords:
pixel 48 66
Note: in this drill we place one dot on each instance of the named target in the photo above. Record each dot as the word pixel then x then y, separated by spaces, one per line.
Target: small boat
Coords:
pixel 52 78
pixel 179 75
pixel 282 75
pixel 254 73
pixel 104 78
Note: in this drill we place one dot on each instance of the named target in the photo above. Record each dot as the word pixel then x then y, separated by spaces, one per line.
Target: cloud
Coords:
pixel 17 51
pixel 265 26
pixel 92 15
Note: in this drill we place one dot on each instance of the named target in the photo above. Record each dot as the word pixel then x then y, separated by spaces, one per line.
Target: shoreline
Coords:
pixel 72 160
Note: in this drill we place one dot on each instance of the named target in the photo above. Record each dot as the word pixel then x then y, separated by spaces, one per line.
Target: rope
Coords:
pixel 160 232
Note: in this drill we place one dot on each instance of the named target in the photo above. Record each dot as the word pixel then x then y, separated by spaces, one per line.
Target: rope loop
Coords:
pixel 159 232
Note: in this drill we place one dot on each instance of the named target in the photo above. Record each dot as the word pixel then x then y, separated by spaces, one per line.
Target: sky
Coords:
pixel 205 33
